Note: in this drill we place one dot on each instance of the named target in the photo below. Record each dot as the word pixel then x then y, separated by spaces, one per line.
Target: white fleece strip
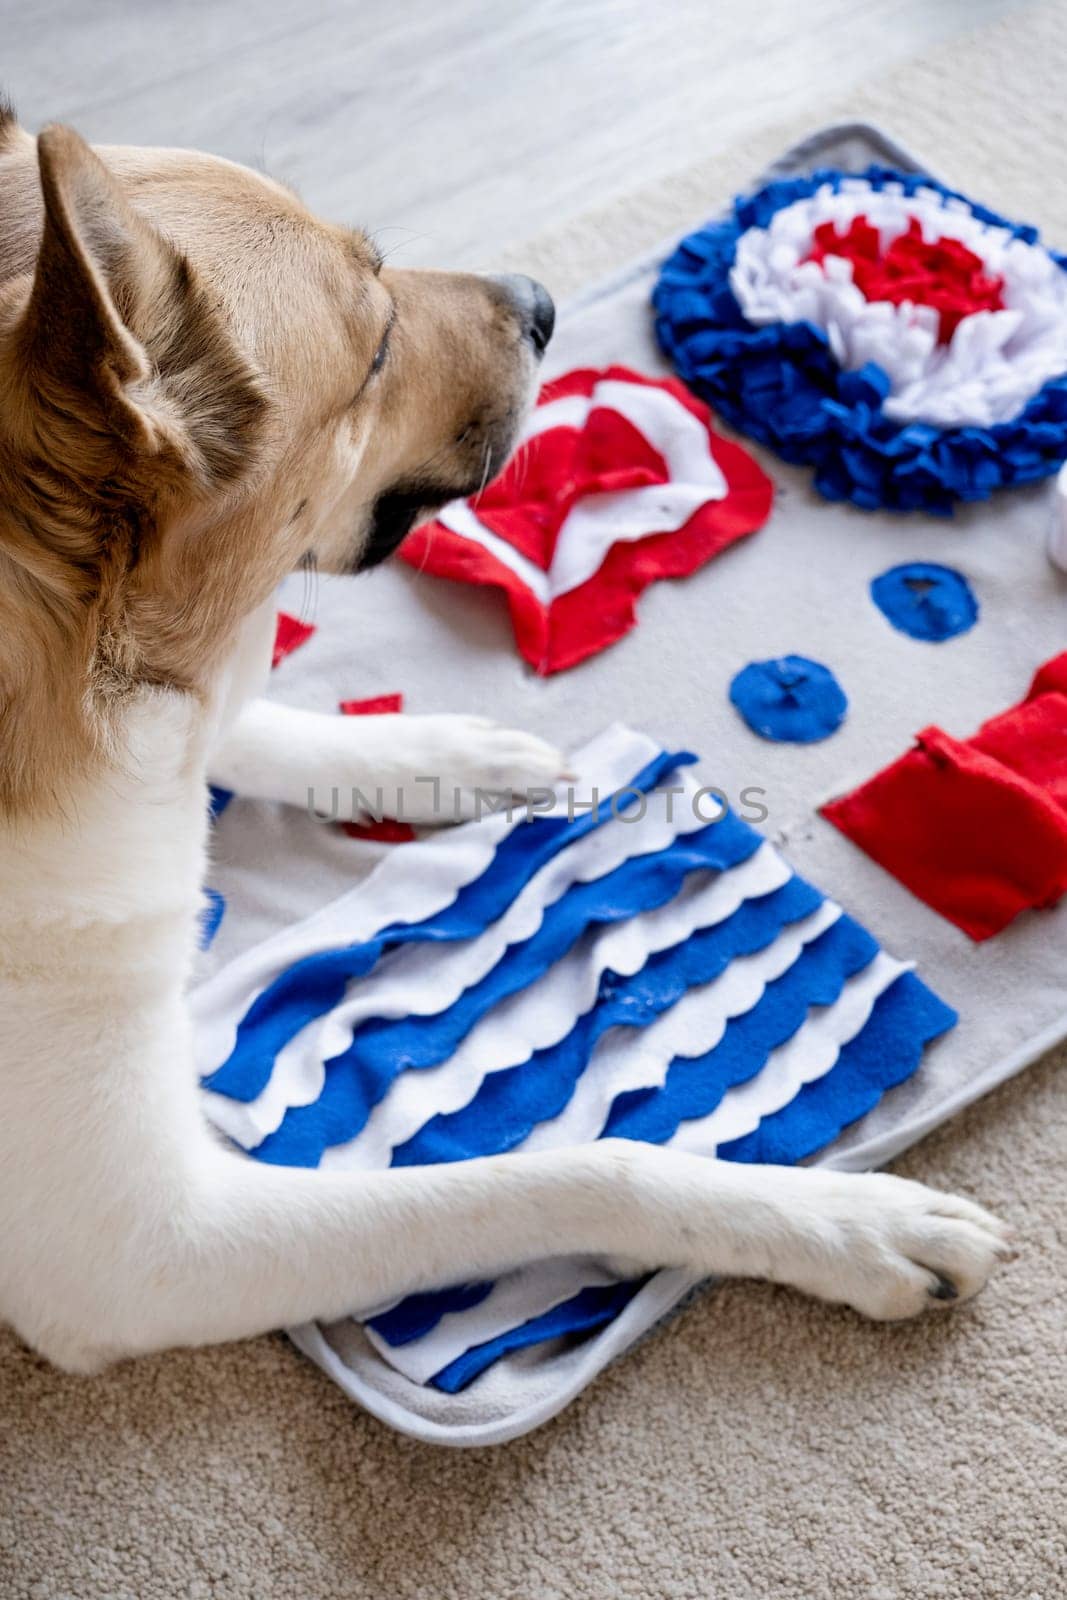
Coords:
pixel 413 981
pixel 515 1298
pixel 545 1013
pixel 625 516
pixel 995 361
pixel 809 1054
pixel 408 886
pixel 599 521
pixel 569 411
pixel 670 428
pixel 627 1059
pixel 459 518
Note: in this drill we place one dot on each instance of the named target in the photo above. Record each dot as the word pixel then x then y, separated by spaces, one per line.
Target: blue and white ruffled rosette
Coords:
pixel 792 352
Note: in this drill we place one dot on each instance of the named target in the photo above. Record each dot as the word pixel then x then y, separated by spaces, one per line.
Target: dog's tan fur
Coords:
pixel 188 409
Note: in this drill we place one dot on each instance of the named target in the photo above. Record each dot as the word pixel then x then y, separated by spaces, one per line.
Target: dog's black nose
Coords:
pixel 533 305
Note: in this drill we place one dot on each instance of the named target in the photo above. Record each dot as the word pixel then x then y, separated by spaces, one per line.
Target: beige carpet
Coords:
pixel 759 1446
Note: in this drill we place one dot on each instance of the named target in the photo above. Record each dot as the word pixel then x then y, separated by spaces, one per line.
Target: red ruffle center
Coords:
pixel 942 273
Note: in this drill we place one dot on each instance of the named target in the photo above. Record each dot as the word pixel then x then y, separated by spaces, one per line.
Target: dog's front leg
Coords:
pixel 422 768
pixel 251 1247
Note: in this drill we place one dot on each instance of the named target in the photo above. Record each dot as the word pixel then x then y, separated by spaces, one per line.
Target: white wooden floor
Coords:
pixel 453 127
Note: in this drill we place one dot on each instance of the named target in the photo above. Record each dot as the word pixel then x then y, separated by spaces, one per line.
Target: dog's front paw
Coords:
pixel 454 767
pixel 892 1248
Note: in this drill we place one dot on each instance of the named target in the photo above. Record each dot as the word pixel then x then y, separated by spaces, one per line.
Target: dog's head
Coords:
pixel 202 385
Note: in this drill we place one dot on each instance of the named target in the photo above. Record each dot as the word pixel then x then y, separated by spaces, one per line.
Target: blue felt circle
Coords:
pixel 926 601
pixel 789 699
pixel 781 384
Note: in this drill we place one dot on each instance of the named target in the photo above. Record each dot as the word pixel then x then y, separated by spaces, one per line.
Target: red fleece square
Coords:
pixel 388 830
pixel 1051 678
pixel 290 635
pixel 976 828
pixel 1031 740
pixel 378 705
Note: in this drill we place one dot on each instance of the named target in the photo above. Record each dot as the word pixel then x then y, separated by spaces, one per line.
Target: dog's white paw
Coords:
pixel 892 1248
pixel 452 767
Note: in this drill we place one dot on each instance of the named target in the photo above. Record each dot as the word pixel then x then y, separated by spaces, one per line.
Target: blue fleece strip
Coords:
pixel 590 1308
pixel 317 983
pixel 512 1102
pixel 695 1084
pixel 211 915
pixel 509 1103
pixel 639 884
pixel 418 1314
pixel 217 801
pixel 904 1020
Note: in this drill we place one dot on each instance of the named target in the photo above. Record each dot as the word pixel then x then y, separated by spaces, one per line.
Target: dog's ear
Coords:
pixel 132 375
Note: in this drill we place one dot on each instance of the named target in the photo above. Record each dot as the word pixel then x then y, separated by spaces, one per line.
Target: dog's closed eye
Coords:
pixel 380 357
pixel 383 349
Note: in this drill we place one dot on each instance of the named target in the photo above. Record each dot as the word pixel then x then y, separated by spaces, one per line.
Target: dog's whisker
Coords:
pixel 387 252
pixel 309 566
pixel 520 464
pixel 420 570
pixel 486 467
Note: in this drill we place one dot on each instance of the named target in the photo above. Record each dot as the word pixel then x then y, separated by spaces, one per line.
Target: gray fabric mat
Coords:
pixel 800 585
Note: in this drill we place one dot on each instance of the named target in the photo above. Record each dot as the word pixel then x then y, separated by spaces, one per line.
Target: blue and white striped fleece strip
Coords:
pixel 515 984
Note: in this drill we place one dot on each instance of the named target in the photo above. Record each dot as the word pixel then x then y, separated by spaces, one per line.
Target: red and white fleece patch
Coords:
pixel 618 480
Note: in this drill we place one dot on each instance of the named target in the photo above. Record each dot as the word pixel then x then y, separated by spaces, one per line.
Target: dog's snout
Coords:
pixel 533 305
pixel 542 316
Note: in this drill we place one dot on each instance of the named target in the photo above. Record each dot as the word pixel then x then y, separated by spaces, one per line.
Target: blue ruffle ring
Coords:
pixel 781 384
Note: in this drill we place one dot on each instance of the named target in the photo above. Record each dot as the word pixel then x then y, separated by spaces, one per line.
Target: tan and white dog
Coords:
pixel 202 386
